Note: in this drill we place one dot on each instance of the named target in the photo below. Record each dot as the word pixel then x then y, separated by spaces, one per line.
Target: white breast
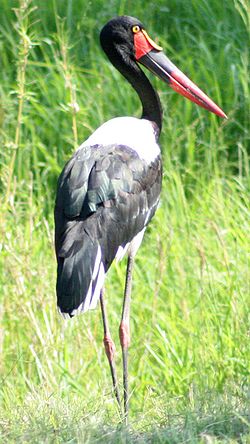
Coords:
pixel 137 134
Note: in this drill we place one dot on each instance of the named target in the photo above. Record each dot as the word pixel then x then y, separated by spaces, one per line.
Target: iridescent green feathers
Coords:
pixel 106 195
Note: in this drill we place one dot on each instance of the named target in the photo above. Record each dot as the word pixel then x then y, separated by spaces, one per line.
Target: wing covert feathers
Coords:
pixel 106 195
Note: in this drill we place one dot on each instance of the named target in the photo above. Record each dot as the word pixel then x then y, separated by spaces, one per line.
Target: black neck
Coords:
pixel 151 106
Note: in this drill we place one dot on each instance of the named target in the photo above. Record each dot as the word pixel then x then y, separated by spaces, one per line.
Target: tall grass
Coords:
pixel 189 358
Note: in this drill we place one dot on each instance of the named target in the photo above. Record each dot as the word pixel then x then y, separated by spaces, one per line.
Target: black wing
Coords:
pixel 106 195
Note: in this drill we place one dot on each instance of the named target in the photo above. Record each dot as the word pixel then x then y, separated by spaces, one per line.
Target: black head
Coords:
pixel 117 38
pixel 126 42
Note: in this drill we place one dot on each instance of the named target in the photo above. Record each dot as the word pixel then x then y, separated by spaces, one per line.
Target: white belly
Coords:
pixel 137 134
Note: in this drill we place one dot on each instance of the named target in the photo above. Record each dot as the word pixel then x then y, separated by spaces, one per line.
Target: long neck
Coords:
pixel 151 106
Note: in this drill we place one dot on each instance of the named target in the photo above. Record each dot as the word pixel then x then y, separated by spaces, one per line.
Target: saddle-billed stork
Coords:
pixel 109 190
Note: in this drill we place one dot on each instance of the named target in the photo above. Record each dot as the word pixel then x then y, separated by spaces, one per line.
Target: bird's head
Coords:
pixel 125 41
pixel 117 38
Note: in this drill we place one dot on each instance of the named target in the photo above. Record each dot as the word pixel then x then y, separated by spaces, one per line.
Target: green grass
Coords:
pixel 190 354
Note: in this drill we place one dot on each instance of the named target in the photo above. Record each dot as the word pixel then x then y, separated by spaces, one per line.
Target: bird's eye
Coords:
pixel 136 29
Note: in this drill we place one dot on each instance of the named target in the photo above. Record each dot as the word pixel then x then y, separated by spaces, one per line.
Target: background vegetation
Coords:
pixel 189 358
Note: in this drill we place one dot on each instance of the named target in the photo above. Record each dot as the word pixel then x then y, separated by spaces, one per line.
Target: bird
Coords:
pixel 109 189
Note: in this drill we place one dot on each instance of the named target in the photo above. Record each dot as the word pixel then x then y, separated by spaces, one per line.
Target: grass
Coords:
pixel 189 358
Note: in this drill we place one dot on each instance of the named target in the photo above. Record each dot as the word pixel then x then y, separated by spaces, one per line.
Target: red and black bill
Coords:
pixel 149 54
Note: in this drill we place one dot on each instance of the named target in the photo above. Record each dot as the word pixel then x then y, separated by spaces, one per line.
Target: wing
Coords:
pixel 106 195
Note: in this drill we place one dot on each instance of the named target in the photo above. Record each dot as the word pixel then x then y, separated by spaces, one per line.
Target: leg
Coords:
pixel 124 332
pixel 109 349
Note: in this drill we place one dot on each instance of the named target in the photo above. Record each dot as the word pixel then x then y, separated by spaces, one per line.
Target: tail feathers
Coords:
pixel 80 279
